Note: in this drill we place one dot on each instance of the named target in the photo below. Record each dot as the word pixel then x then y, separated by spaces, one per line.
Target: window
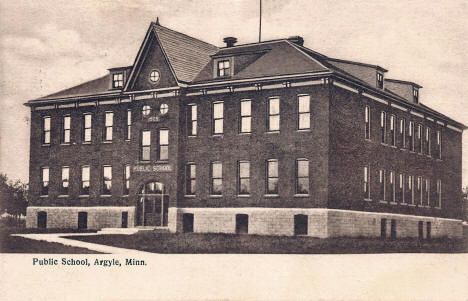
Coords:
pixel 392 186
pixel 154 76
pixel 65 180
pixel 84 189
pixel 428 141
pixel 409 193
pixel 145 110
pixel 106 180
pixel 129 125
pixel 419 139
pixel 192 120
pixel 403 132
pixel 416 95
pixel 44 180
pixel 126 188
pixel 245 116
pixel 301 224
pixel 244 178
pixel 382 184
pixel 66 129
pixel 380 80
pixel 191 179
pixel 272 177
pixel 439 145
pixel 411 136
pixel 367 182
pixel 46 130
pixel 419 190
pixel 216 178
pixel 401 188
pixel 163 109
pixel 302 176
pixel 273 114
pixel 383 127
pixel 87 120
pixel 109 122
pixel 224 68
pixel 117 80
pixel 367 122
pixel 218 118
pixel 439 193
pixel 303 112
pixel 392 130
pixel 163 144
pixel 427 191
pixel 145 145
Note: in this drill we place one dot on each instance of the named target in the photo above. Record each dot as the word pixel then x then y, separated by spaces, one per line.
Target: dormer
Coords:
pixel 118 77
pixel 405 89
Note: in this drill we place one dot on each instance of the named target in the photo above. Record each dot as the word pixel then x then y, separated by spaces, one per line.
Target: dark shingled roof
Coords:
pixel 95 86
pixel 186 55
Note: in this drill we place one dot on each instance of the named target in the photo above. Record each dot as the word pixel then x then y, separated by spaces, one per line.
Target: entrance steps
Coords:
pixel 130 231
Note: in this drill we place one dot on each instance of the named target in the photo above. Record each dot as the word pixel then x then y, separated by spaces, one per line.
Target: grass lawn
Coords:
pixel 255 244
pixel 14 244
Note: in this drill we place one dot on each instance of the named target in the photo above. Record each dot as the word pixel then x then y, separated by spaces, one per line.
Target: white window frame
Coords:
pixel 245 117
pixel 306 113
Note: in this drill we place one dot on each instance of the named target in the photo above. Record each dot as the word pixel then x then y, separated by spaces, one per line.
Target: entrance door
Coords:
pixel 42 219
pixel 300 224
pixel 187 222
pixel 153 205
pixel 242 223
pixel 82 220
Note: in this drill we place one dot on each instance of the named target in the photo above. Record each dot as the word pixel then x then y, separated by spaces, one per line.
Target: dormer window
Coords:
pixel 224 68
pixel 117 80
pixel 415 95
pixel 380 80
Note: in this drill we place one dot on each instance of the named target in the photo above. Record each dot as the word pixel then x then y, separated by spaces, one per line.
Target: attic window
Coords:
pixel 415 95
pixel 380 80
pixel 117 80
pixel 224 68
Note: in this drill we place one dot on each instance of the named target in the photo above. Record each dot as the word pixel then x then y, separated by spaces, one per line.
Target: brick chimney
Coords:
pixel 230 41
pixel 297 40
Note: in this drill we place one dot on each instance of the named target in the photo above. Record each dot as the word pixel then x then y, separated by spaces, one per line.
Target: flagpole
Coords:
pixel 260 25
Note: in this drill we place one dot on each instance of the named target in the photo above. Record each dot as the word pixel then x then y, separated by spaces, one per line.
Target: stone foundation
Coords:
pixel 67 217
pixel 321 222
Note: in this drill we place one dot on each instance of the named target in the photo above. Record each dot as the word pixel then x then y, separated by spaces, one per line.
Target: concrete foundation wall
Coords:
pixel 321 222
pixel 67 217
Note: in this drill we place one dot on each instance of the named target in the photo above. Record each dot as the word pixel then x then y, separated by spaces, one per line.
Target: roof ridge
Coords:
pixel 185 35
pixel 356 63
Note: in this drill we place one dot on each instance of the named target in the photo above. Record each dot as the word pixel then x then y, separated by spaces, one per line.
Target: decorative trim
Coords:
pixel 375 98
pixel 454 128
pixel 416 114
pixel 44 108
pixel 345 87
pixel 440 123
pixel 430 119
pixel 399 107
pixel 307 83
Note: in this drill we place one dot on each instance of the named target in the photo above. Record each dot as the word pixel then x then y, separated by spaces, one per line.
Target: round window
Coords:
pixel 146 110
pixel 163 109
pixel 154 76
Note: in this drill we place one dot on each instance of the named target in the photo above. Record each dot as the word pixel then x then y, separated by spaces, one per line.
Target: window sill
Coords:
pixel 86 143
pixel 162 162
pixel 383 202
pixel 245 133
pixel 83 196
pixel 368 140
pixel 105 195
pixel 303 130
pixel 65 144
pixel 127 140
pixel 439 208
pixel 439 160
pixel 393 146
pixel 368 200
pixel 403 204
pixel 45 144
pixel 106 142
pixel 190 196
pixel 218 135
pixel 301 195
pixel 393 203
pixel 384 144
pixel 271 195
pixel 63 196
pixel 125 196
pixel 243 195
pixel 43 196
pixel 217 196
pixel 272 132
pixel 192 136
pixel 411 205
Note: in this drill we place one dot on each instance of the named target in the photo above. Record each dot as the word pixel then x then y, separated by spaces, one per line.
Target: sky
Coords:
pixel 47 46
